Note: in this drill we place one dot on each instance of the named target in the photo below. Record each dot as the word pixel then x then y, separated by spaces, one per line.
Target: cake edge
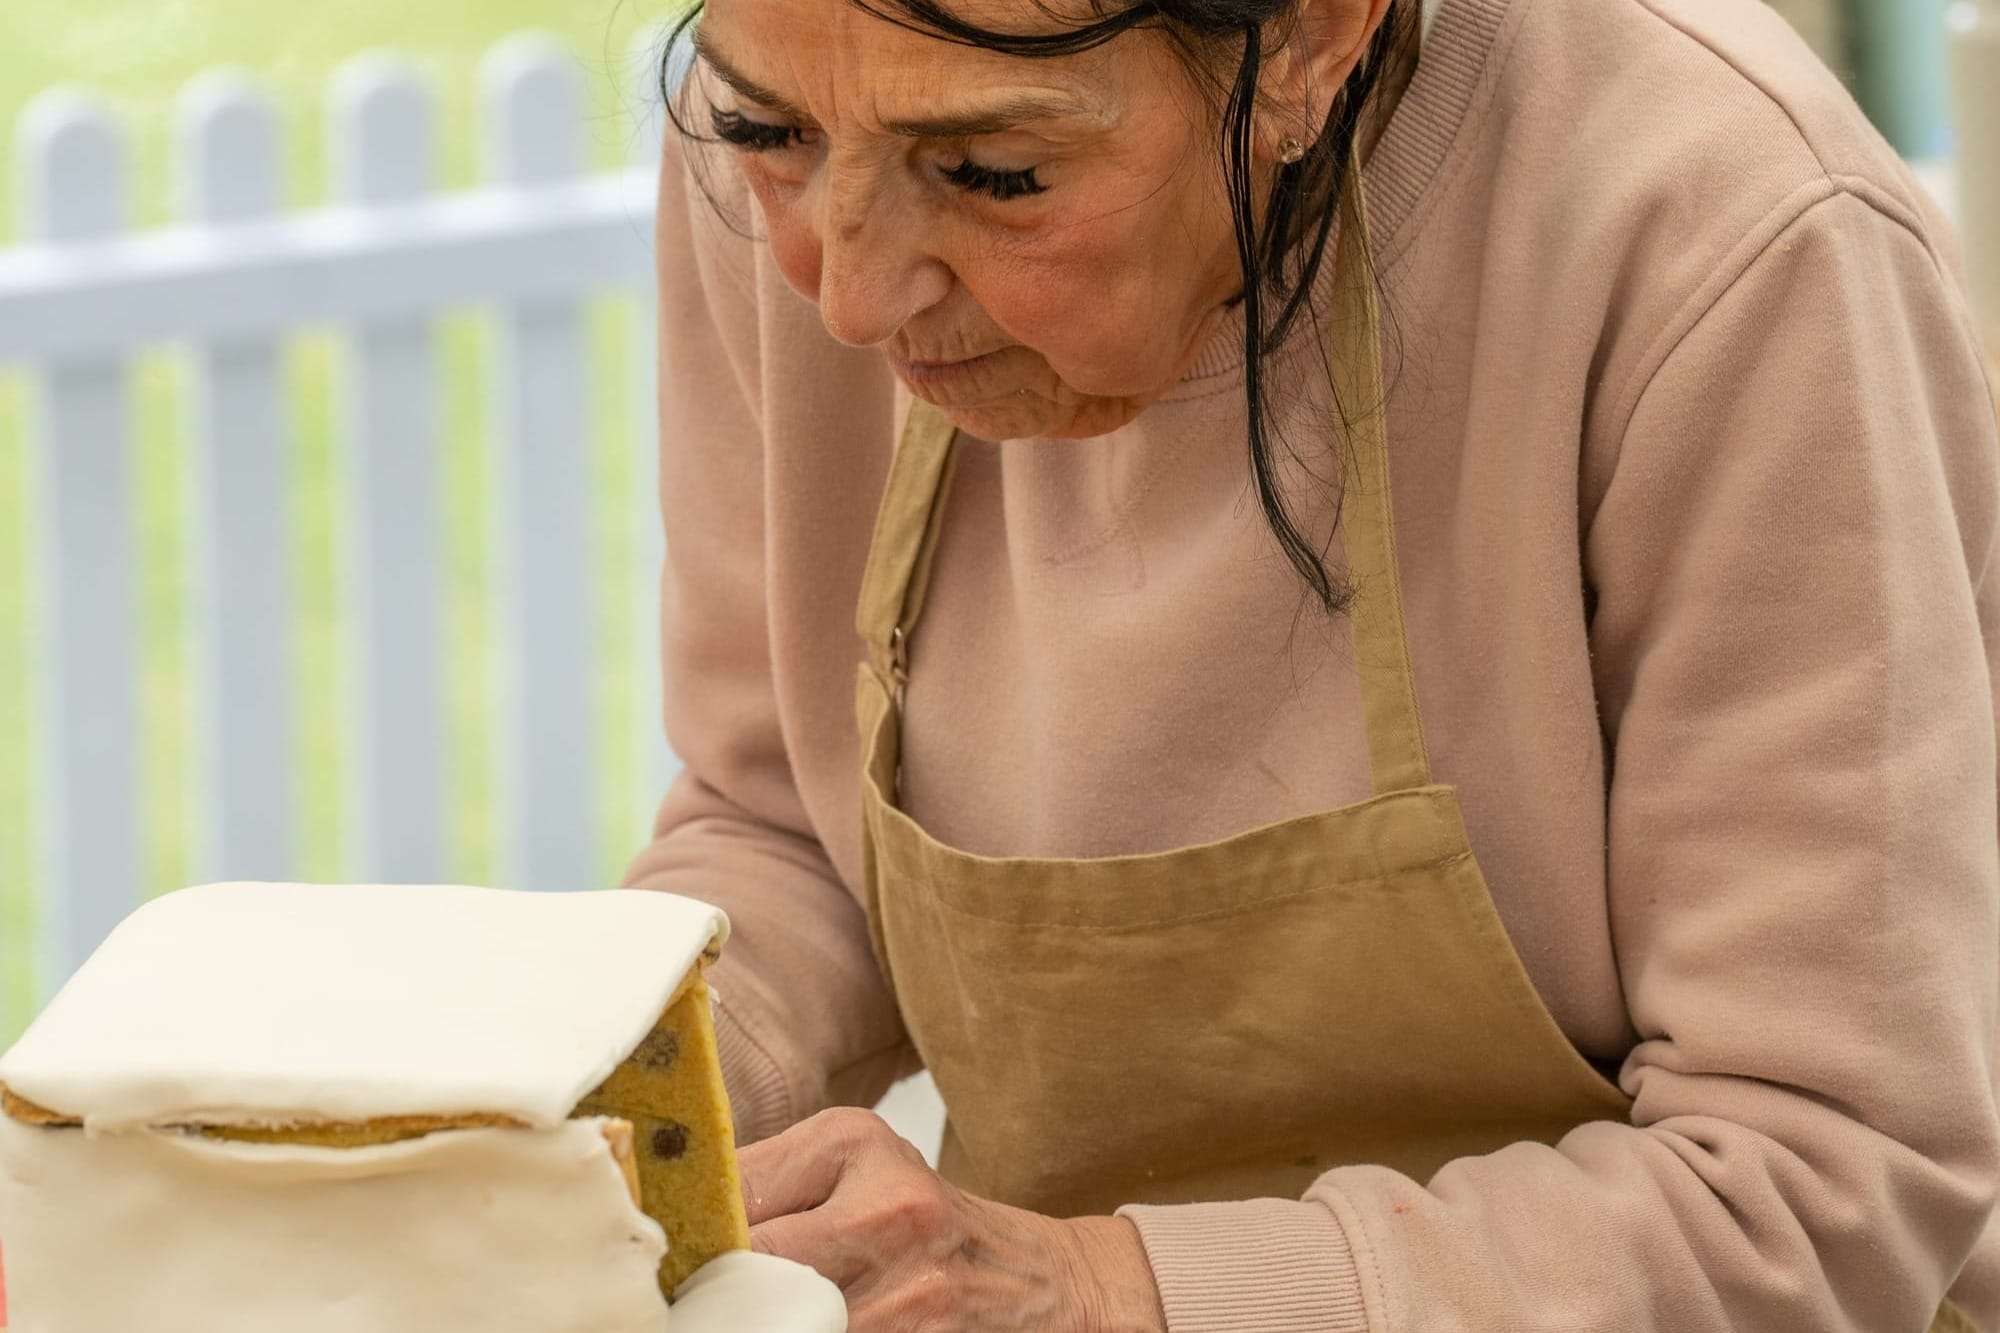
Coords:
pixel 343 1133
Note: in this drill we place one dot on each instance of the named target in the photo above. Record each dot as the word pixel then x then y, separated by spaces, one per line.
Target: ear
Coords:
pixel 1307 60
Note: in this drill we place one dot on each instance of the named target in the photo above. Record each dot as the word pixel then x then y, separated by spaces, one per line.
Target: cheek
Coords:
pixel 794 243
pixel 795 249
pixel 1103 324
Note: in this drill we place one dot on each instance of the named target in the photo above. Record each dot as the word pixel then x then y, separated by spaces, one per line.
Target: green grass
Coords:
pixel 137 53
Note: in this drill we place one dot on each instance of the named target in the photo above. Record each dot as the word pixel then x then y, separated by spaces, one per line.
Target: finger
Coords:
pixel 889 1224
pixel 783 1176
pixel 814 1239
pixel 800 1168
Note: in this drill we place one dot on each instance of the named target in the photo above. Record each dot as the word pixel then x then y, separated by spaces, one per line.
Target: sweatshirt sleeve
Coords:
pixel 1793 643
pixel 803 1018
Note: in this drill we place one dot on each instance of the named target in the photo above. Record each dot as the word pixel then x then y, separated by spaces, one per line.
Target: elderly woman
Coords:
pixel 1371 631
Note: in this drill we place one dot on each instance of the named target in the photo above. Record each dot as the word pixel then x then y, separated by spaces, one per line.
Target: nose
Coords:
pixel 875 271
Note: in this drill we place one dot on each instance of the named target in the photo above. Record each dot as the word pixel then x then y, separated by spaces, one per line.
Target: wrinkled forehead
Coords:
pixel 1018 17
pixel 835 50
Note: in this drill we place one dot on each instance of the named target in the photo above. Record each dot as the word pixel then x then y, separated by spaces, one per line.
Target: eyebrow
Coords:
pixel 1006 112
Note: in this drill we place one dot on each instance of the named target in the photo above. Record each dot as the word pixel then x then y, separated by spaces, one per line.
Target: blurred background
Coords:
pixel 249 288
pixel 144 64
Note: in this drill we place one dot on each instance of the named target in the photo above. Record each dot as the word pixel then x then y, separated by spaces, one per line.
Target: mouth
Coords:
pixel 940 375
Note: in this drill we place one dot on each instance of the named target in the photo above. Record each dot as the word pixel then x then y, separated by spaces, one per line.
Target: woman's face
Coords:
pixel 1040 247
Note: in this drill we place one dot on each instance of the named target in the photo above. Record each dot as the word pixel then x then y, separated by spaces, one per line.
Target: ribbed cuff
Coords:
pixel 1263 1264
pixel 758 1097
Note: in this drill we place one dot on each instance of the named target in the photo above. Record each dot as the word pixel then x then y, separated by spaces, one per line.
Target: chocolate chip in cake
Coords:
pixel 659 1050
pixel 670 1142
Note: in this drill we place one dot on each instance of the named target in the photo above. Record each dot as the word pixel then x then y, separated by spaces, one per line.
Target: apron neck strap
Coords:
pixel 1397 757
pixel 913 505
pixel 906 536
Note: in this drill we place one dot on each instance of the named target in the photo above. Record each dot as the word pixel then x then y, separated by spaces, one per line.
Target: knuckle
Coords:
pixel 851 1125
pixel 913 1209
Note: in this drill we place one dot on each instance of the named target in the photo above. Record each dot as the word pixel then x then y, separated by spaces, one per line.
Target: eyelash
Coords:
pixel 1001 185
pixel 733 127
pixel 755 136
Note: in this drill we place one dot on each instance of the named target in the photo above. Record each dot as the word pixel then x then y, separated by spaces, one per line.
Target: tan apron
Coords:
pixel 1226 1021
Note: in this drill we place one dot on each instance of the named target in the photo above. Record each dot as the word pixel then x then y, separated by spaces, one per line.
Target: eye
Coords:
pixel 1003 185
pixel 756 136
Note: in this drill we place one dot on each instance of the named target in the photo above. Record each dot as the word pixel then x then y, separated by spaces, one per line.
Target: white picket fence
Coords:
pixel 230 282
pixel 236 277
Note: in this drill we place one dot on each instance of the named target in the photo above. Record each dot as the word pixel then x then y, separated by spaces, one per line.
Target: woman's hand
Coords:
pixel 842 1193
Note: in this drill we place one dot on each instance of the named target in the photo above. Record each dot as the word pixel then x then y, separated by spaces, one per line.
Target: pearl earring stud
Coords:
pixel 1291 149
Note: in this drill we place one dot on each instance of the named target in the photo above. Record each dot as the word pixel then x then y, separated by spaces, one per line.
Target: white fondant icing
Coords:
pixel 282 1003
pixel 758 1293
pixel 466 1231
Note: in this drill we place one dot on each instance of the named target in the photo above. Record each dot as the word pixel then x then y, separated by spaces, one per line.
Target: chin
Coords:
pixel 1009 421
pixel 1034 417
pixel 1016 394
pixel 1003 421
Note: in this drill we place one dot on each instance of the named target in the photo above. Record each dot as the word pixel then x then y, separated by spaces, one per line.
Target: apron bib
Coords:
pixel 1227 1021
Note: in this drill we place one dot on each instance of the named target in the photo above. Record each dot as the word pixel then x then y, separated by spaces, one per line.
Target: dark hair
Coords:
pixel 1281 261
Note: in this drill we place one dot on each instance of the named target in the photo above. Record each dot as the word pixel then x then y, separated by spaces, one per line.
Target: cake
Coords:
pixel 369 1107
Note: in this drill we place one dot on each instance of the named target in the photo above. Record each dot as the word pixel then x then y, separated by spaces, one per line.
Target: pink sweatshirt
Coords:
pixel 1696 483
